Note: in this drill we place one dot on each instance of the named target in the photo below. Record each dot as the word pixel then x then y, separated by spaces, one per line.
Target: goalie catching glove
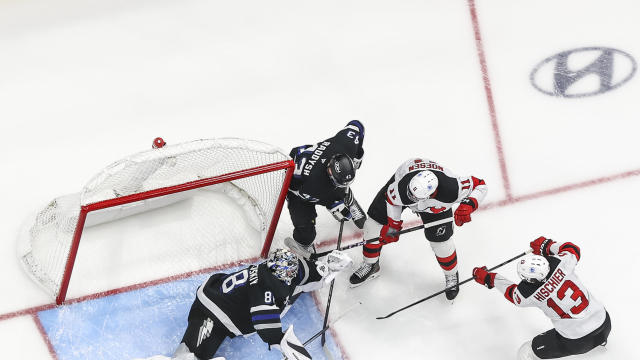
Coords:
pixel 291 347
pixel 332 264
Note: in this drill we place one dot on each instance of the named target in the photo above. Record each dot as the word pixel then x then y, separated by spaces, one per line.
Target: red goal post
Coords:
pixel 256 175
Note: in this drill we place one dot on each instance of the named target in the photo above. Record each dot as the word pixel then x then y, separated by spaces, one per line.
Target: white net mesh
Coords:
pixel 161 236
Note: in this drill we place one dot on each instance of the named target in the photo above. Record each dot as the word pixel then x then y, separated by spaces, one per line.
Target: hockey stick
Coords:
pixel 360 243
pixel 326 312
pixel 450 287
pixel 317 335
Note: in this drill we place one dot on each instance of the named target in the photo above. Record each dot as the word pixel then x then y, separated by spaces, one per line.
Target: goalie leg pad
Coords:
pixel 292 348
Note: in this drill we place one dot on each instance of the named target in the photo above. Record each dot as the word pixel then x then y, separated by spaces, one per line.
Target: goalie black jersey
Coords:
pixel 310 180
pixel 253 299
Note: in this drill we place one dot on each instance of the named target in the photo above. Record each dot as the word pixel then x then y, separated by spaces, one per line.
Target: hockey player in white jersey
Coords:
pixel 580 321
pixel 431 191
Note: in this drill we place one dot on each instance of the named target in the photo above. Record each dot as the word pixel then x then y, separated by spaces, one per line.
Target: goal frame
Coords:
pixel 287 165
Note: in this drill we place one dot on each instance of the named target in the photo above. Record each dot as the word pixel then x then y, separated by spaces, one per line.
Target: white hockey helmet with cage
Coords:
pixel 422 185
pixel 533 268
pixel 283 264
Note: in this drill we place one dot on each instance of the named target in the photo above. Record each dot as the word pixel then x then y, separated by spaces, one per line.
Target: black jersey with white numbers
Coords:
pixel 253 299
pixel 310 179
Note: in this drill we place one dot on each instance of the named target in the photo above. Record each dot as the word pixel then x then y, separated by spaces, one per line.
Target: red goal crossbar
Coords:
pixel 287 165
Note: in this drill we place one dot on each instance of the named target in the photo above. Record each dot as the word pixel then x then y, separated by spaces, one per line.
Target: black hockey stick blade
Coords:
pixel 326 313
pixel 442 291
pixel 360 243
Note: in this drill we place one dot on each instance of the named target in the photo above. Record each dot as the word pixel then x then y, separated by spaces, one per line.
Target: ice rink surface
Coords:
pixel 84 83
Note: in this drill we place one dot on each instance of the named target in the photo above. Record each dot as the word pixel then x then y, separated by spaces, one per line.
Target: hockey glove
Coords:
pixel 391 231
pixel 357 160
pixel 482 276
pixel 340 211
pixel 541 246
pixel 338 261
pixel 464 210
pixel 357 214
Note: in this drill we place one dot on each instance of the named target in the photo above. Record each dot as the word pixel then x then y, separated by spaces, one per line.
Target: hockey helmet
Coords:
pixel 533 268
pixel 422 185
pixel 283 264
pixel 341 170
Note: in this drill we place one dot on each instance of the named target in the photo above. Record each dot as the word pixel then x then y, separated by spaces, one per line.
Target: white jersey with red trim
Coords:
pixel 573 310
pixel 451 189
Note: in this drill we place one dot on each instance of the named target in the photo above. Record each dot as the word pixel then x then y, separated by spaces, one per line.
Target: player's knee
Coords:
pixel 439 233
pixel 304 234
pixel 443 248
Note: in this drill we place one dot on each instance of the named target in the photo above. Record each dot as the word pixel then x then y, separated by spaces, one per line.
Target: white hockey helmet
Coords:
pixel 422 185
pixel 283 264
pixel 533 268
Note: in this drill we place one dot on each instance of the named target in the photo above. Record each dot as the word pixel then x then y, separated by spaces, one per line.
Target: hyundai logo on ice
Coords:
pixel 583 72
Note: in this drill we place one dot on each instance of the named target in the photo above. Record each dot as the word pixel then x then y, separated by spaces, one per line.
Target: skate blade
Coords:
pixel 352 286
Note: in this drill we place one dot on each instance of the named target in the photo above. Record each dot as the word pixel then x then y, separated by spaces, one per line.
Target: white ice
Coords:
pixel 83 83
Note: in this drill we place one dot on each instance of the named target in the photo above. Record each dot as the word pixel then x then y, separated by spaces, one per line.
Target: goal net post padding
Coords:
pixel 160 212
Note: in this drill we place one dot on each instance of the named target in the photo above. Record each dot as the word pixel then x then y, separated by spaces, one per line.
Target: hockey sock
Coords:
pixel 446 255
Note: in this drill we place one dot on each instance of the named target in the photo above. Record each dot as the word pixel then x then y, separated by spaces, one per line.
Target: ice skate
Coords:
pixel 365 272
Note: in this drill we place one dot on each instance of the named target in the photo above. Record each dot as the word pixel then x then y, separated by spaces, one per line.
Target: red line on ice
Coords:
pixel 489 93
pixel 44 335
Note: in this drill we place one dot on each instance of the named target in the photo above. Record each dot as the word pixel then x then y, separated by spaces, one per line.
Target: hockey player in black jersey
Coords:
pixel 253 300
pixel 430 191
pixel 322 176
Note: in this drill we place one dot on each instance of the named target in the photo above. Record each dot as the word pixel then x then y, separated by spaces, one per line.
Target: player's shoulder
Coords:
pixel 264 279
pixel 448 187
pixel 527 289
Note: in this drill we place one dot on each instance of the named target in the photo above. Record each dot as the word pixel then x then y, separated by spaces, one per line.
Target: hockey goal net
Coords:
pixel 161 212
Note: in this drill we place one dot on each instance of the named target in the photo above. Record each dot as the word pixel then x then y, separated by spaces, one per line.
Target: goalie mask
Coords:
pixel 422 185
pixel 283 264
pixel 533 268
pixel 341 170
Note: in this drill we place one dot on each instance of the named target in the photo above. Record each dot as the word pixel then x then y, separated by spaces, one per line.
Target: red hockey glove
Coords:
pixel 464 210
pixel 391 231
pixel 541 246
pixel 482 276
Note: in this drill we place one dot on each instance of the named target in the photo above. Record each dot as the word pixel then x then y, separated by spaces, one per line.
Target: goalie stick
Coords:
pixel 442 291
pixel 326 312
pixel 343 314
pixel 360 243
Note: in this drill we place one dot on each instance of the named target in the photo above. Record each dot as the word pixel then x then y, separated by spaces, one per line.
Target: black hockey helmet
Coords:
pixel 341 170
